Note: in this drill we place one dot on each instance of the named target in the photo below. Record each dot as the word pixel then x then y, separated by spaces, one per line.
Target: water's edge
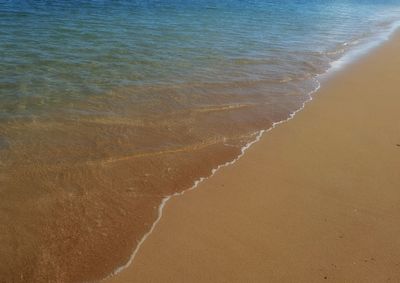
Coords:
pixel 350 57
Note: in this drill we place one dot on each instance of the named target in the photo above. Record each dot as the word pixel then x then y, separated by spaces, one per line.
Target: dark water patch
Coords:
pixel 4 143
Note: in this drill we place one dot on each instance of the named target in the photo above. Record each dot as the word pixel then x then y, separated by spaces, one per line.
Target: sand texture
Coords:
pixel 316 200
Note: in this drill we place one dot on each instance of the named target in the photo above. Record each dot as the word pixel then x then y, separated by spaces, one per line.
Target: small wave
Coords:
pixel 188 148
pixel 221 108
pixel 335 52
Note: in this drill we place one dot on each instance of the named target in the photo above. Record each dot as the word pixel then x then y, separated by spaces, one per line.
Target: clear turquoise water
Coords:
pixel 54 52
pixel 106 107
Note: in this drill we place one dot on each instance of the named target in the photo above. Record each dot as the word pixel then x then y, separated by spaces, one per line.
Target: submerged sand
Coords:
pixel 317 199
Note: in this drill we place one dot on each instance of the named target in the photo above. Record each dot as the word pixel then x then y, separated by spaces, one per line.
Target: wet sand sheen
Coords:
pixel 79 182
pixel 317 199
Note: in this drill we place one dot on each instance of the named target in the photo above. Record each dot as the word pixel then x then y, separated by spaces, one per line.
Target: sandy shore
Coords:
pixel 317 199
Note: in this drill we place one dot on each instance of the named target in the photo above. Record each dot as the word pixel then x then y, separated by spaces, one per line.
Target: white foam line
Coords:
pixel 258 135
pixel 373 42
pixel 164 201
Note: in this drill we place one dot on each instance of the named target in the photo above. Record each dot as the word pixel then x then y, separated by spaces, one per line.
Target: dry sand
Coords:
pixel 317 199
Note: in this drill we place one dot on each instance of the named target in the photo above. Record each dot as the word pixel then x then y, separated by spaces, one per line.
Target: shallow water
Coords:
pixel 107 107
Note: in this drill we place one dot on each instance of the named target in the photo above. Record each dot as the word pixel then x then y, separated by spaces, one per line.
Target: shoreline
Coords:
pixel 352 56
pixel 259 135
pixel 201 183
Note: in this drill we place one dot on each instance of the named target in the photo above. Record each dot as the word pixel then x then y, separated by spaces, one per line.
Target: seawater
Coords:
pixel 107 107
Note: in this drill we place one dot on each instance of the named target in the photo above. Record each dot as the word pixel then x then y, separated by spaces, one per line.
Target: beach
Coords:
pixel 176 141
pixel 316 199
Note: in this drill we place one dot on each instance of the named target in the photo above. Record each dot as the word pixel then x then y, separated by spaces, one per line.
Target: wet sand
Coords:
pixel 317 199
